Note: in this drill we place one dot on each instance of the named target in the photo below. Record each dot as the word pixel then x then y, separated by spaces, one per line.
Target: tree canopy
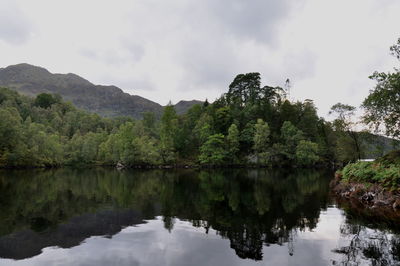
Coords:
pixel 249 124
pixel 382 106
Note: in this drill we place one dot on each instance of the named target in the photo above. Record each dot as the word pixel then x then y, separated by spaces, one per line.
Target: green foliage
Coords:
pixel 203 128
pixel 46 100
pixel 169 129
pixel 250 123
pixel 35 133
pixel 213 150
pixel 381 172
pixel 261 141
pixel 291 136
pixel 9 128
pixel 390 158
pixel 382 106
pixel 306 153
pixel 233 143
pixel 349 146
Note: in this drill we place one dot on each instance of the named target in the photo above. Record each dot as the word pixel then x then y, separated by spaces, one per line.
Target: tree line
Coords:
pixel 249 124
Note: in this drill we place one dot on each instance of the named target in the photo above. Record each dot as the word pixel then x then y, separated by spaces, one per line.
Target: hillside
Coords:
pixel 182 106
pixel 107 101
pixel 375 146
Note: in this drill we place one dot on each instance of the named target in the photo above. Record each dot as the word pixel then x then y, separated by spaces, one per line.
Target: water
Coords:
pixel 185 217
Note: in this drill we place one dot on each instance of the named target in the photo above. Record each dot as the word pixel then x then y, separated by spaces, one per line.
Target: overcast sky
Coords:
pixel 187 49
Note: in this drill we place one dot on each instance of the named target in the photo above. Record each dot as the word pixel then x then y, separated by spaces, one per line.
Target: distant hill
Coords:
pixel 182 106
pixel 375 146
pixel 108 101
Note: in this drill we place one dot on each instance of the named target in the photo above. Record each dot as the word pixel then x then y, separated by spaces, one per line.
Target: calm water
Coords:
pixel 185 217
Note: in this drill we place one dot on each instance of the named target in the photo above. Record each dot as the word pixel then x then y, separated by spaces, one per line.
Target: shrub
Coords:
pixel 373 172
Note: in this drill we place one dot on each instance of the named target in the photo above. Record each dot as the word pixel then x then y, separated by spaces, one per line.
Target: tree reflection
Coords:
pixel 362 244
pixel 251 208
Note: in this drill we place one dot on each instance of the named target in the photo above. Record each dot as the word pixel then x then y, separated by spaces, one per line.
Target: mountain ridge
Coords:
pixel 105 100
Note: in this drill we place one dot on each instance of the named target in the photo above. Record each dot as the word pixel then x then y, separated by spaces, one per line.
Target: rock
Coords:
pixel 345 194
pixel 120 166
pixel 396 204
pixel 368 197
pixel 380 203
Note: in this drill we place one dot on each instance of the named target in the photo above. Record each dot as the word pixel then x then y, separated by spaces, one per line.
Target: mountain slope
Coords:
pixel 107 101
pixel 183 106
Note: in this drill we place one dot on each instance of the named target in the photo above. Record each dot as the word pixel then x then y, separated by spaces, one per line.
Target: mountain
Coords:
pixel 108 101
pixel 183 106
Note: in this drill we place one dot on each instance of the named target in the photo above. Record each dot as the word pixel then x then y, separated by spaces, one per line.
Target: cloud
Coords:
pixel 127 52
pixel 256 20
pixel 201 44
pixel 188 49
pixel 15 28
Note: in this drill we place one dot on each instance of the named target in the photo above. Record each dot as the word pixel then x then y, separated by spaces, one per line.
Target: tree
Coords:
pixel 149 122
pixel 45 100
pixel 213 150
pixel 291 137
pixel 9 128
pixel 348 138
pixel 145 151
pixel 233 143
pixel 382 106
pixel 203 129
pixel 306 153
pixel 261 140
pixel 169 127
pixel 244 89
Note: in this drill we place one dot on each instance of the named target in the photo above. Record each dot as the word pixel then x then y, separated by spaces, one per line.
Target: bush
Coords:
pixel 387 175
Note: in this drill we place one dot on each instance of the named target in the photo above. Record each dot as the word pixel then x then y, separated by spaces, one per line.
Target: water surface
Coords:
pixel 184 217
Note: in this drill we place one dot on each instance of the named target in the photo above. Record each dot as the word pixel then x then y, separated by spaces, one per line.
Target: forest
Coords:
pixel 249 125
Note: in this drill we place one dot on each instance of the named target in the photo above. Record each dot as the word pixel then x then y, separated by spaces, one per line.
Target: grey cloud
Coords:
pixel 254 20
pixel 207 65
pixel 133 85
pixel 201 35
pixel 130 83
pixel 88 53
pixel 135 50
pixel 129 53
pixel 208 54
pixel 14 26
pixel 300 65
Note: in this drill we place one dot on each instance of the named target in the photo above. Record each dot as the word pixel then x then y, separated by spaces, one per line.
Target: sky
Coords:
pixel 187 49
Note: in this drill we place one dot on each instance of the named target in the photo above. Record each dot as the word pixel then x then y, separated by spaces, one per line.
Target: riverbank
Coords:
pixel 373 185
pixel 371 196
pixel 121 166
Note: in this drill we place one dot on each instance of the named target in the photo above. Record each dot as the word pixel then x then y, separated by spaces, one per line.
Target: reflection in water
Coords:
pixel 257 211
pixel 368 246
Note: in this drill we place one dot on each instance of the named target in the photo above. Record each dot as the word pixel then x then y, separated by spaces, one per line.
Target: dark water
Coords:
pixel 185 217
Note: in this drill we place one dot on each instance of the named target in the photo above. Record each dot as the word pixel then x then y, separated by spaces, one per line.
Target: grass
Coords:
pixel 385 171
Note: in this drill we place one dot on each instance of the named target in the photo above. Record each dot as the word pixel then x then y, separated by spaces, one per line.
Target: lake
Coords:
pixel 185 217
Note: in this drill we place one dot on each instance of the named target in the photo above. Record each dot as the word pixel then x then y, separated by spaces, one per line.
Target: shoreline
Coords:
pixel 371 198
pixel 166 166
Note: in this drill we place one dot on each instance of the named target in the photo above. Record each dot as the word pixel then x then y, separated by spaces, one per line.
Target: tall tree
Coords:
pixel 382 106
pixel 291 137
pixel 244 89
pixel 349 144
pixel 233 143
pixel 45 100
pixel 169 127
pixel 261 140
pixel 213 150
